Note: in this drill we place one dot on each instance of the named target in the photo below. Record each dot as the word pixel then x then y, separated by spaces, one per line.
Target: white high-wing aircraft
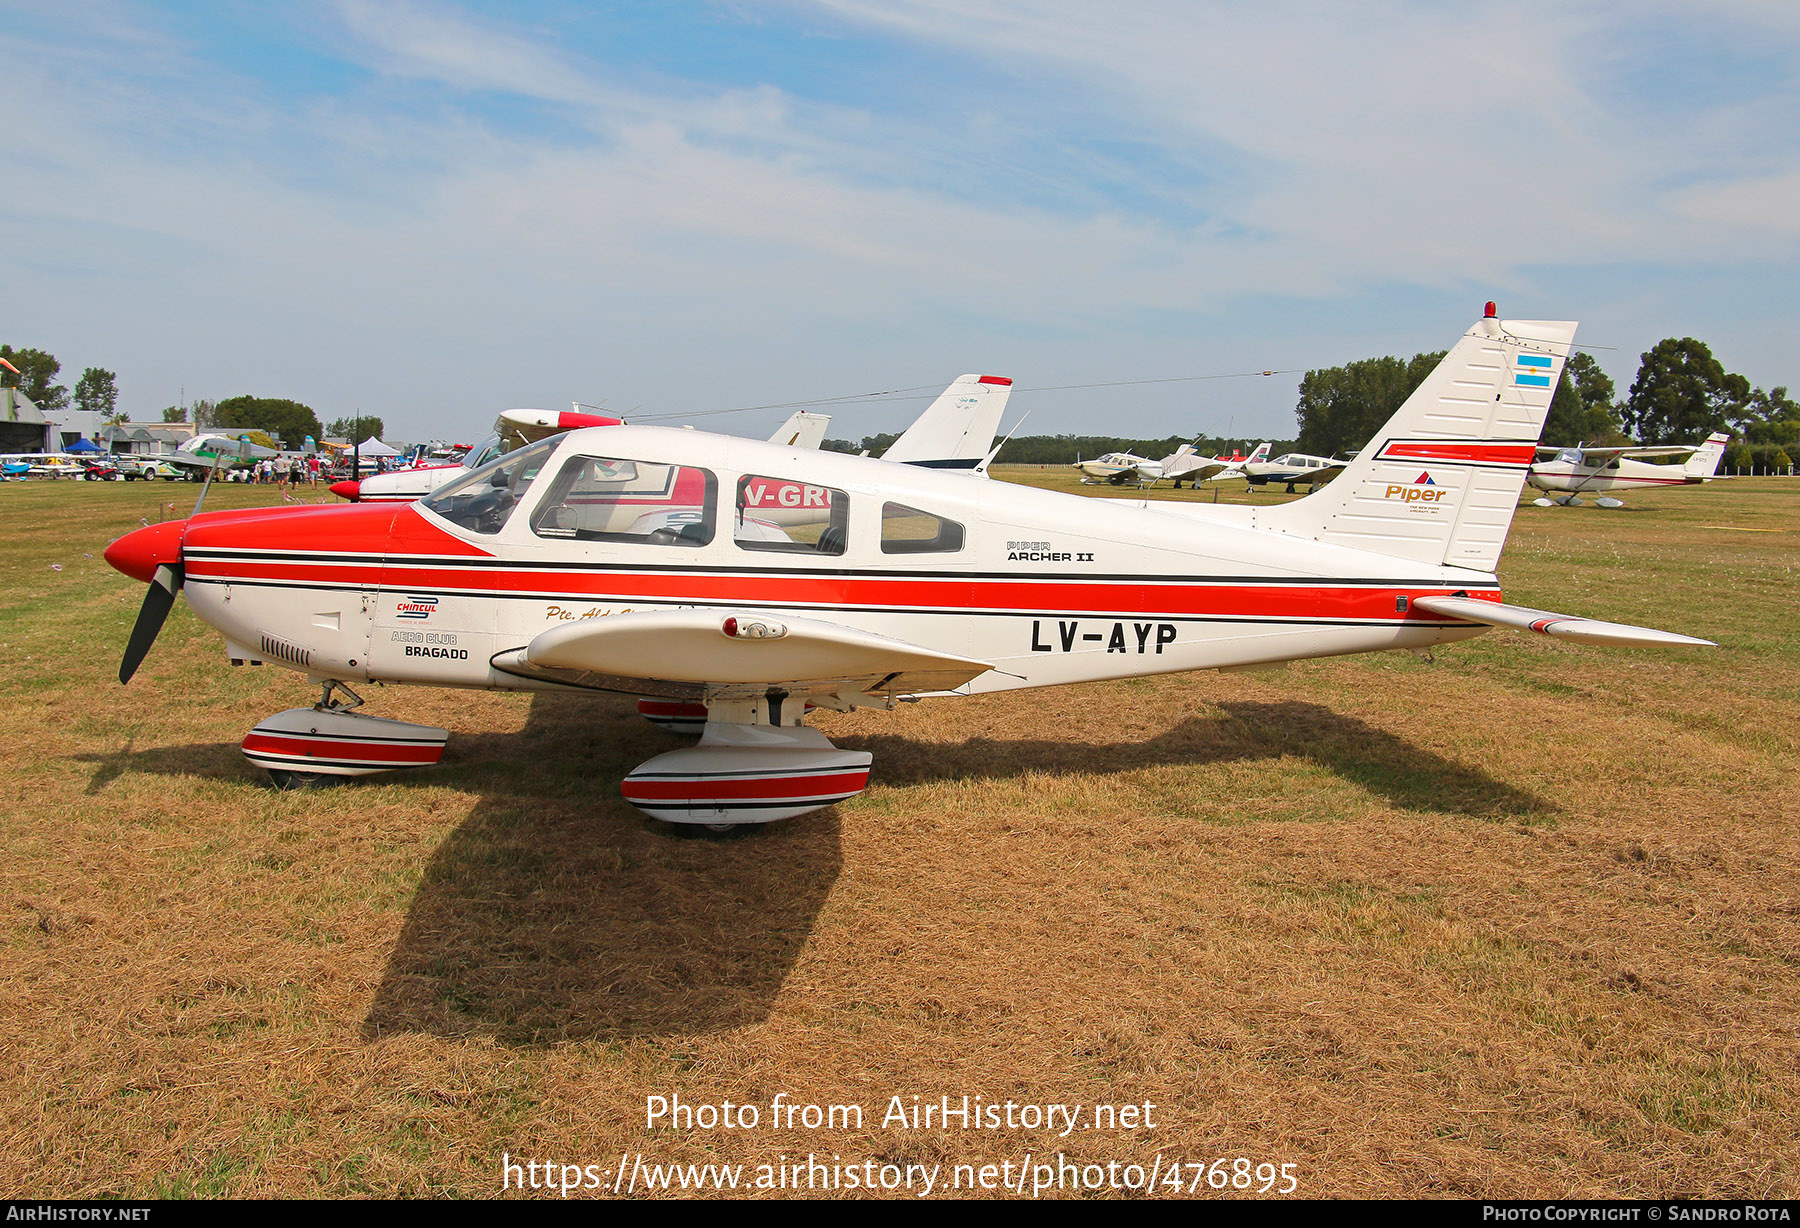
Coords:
pixel 611 559
pixel 1576 471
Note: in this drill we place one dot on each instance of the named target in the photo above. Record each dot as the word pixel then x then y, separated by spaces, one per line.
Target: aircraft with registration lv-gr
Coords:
pixel 637 560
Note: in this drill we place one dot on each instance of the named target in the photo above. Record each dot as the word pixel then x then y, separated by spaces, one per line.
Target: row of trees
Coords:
pixel 1682 394
pixel 97 391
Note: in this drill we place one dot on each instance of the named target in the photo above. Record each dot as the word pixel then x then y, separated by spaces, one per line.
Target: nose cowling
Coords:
pixel 139 553
pixel 351 490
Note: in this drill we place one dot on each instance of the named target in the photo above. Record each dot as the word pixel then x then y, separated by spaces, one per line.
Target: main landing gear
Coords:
pixel 755 763
pixel 306 748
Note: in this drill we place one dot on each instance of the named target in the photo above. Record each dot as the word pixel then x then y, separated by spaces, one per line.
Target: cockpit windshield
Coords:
pixel 484 501
pixel 483 452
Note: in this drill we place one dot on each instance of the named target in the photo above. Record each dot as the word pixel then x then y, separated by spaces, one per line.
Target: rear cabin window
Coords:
pixel 795 517
pixel 907 530
pixel 608 499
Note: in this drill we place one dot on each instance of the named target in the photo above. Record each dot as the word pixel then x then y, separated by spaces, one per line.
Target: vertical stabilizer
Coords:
pixel 1704 463
pixel 802 430
pixel 957 431
pixel 1439 483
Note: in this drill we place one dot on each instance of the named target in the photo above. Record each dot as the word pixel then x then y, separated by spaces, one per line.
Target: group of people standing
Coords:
pixel 288 470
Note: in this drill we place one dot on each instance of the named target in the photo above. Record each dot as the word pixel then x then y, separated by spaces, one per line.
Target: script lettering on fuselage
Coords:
pixel 557 613
pixel 1074 634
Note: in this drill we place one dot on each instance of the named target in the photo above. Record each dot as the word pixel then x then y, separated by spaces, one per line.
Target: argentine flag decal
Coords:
pixel 1532 370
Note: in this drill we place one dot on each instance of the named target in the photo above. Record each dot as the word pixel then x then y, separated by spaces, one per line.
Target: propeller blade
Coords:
pixel 157 604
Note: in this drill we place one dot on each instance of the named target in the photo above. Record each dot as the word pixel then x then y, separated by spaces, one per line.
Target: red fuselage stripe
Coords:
pixel 1052 596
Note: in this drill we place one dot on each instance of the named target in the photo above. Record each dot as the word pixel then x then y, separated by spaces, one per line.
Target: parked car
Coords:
pixel 149 469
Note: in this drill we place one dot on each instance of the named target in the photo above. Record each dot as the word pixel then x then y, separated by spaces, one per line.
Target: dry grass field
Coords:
pixel 1521 922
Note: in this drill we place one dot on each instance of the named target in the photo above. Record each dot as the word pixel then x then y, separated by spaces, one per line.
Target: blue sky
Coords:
pixel 433 211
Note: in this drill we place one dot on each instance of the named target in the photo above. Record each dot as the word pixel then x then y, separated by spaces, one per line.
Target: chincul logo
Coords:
pixel 417 607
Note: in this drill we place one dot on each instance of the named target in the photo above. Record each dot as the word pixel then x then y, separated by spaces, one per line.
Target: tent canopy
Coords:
pixel 84 445
pixel 374 447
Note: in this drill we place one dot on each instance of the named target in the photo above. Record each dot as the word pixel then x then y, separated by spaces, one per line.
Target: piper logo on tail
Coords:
pixel 1413 493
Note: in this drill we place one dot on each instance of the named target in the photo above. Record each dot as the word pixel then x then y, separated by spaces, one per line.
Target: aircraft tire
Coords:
pixel 711 831
pixel 288 781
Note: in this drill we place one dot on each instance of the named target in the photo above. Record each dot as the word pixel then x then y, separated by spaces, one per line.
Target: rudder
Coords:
pixel 1438 483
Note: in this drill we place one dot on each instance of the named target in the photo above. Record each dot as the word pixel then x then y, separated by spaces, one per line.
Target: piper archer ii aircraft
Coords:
pixel 1575 471
pixel 614 559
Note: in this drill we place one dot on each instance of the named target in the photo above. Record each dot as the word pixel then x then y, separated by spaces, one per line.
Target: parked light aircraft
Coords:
pixel 1576 471
pixel 1183 464
pixel 213 451
pixel 1117 469
pixel 1199 469
pixel 613 559
pixel 1291 469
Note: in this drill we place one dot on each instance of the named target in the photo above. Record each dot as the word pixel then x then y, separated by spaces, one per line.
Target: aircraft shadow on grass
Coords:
pixel 556 912
pixel 1407 776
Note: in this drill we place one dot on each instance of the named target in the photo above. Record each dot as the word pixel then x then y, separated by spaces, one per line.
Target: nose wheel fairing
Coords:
pixel 336 742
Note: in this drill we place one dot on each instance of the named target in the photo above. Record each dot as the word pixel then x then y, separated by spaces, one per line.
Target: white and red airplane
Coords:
pixel 1583 470
pixel 619 559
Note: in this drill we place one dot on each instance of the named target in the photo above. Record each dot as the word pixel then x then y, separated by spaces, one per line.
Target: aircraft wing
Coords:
pixel 1603 455
pixel 715 654
pixel 1558 626
pixel 532 425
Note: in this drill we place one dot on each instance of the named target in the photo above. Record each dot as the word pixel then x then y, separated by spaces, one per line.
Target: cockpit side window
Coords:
pixel 785 515
pixel 908 530
pixel 484 501
pixel 603 498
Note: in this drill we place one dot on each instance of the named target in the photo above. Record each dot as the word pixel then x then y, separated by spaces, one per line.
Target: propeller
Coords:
pixel 157 604
pixel 150 555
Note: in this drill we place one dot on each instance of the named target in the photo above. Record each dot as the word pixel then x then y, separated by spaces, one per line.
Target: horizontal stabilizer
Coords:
pixel 1560 626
